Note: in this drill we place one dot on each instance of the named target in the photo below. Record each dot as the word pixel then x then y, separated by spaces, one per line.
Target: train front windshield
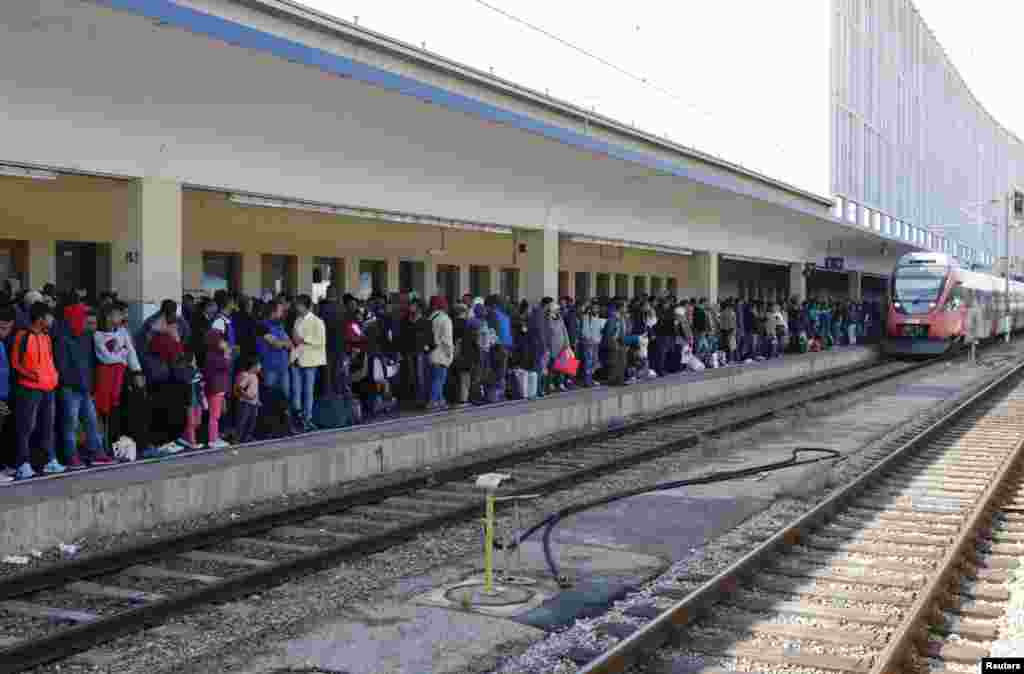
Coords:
pixel 916 287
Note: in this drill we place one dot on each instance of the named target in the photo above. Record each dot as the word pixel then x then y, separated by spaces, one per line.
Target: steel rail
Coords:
pixel 16 585
pixel 660 631
pixel 64 643
pixel 903 642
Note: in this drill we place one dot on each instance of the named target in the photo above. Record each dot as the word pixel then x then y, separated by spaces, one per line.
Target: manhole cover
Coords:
pixel 502 595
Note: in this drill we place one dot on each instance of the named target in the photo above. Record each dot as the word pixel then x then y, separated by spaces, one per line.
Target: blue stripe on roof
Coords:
pixel 247 37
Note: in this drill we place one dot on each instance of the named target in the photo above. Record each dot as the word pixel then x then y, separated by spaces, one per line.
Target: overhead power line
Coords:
pixel 617 68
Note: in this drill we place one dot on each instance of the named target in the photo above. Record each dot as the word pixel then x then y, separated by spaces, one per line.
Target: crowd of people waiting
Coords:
pixel 78 388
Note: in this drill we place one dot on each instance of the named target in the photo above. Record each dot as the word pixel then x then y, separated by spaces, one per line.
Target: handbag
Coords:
pixel 566 363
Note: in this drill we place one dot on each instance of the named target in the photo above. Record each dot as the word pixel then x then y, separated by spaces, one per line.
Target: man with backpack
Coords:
pixel 36 378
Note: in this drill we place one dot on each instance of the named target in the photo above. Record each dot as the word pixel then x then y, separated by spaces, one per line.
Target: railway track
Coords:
pixel 906 569
pixel 51 613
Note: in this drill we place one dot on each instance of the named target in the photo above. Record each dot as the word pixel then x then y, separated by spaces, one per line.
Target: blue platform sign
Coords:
pixel 834 263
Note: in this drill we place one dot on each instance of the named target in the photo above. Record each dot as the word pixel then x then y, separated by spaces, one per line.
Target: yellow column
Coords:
pixel 304 274
pixel 797 281
pixel 352 272
pixel 252 274
pixel 393 275
pixel 430 279
pixel 42 263
pixel 541 272
pixel 146 261
pixel 495 279
pixel 704 275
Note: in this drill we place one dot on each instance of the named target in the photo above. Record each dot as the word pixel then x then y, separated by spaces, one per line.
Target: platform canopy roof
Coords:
pixel 260 98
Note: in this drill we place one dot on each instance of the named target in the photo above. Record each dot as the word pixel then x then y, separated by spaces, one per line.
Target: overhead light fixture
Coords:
pixel 22 172
pixel 617 243
pixel 370 214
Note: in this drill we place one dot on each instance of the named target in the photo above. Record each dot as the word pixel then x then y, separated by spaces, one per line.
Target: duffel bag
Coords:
pixel 333 412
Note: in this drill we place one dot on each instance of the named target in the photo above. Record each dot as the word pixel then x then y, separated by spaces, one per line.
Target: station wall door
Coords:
pixel 83 264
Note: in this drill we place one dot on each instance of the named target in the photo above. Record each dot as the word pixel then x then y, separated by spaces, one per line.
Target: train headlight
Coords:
pixel 897 305
pixel 931 305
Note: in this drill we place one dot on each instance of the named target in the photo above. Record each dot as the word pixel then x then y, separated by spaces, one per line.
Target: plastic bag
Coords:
pixel 566 363
pixel 124 449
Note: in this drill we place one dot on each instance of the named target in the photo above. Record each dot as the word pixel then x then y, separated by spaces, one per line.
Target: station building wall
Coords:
pixel 41 221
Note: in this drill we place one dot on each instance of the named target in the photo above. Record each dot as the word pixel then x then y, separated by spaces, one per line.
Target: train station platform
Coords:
pixel 44 512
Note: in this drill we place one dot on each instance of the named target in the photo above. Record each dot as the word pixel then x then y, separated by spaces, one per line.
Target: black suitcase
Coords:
pixel 275 417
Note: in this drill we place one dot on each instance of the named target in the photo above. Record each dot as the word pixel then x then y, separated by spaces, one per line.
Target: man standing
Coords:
pixel 76 365
pixel 310 338
pixel 443 353
pixel 32 360
pixel 273 347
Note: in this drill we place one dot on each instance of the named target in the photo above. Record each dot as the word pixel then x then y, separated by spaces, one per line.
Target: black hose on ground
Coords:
pixel 551 521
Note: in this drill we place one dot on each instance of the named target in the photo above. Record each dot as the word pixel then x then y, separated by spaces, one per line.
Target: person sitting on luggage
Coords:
pixel 247 392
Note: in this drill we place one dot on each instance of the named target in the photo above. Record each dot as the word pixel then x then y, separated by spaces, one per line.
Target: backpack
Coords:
pixel 157 371
pixel 485 338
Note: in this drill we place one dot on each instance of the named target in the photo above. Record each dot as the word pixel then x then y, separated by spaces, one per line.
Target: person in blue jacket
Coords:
pixel 75 358
pixel 274 347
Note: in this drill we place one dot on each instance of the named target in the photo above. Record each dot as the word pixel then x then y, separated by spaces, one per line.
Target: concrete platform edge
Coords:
pixel 168 492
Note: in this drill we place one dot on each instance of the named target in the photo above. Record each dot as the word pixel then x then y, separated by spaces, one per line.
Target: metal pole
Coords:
pixel 1006 295
pixel 489 545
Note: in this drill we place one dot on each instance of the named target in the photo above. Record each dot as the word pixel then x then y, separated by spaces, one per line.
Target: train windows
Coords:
pixel 917 285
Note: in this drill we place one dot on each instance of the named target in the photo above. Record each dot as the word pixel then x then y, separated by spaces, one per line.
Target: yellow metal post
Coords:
pixel 489 545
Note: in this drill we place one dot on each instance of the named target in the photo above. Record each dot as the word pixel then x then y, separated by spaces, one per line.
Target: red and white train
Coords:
pixel 935 305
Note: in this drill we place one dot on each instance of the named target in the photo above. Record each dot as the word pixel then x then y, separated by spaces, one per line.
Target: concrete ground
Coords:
pixel 607 551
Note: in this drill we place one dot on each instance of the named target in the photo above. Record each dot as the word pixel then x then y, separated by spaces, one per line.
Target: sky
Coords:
pixel 745 80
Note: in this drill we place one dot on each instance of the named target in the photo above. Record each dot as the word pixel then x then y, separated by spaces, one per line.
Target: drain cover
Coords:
pixel 501 596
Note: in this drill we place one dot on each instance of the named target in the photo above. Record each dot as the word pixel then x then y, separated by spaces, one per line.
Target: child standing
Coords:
pixel 186 373
pixel 115 352
pixel 247 391
pixel 217 373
